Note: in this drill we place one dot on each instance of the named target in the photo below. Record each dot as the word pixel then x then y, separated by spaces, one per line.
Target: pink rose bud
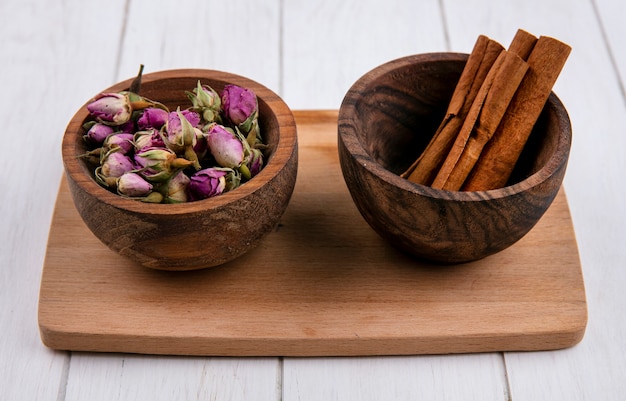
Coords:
pixel 149 138
pixel 211 182
pixel 159 164
pixel 255 162
pixel 152 117
pixel 241 107
pixel 133 185
pixel 174 125
pixel 127 128
pixel 200 146
pixel 115 164
pixel 111 108
pixel 225 147
pixel 206 102
pixel 181 134
pixel 239 104
pixel 179 131
pixel 121 142
pixel 176 191
pixel 207 183
pixel 98 132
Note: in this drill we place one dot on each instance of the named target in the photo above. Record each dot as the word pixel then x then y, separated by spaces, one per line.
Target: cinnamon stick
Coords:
pixel 522 44
pixel 482 57
pixel 499 156
pixel 482 120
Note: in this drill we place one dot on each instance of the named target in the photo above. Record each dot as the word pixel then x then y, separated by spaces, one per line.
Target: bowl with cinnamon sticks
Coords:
pixel 454 157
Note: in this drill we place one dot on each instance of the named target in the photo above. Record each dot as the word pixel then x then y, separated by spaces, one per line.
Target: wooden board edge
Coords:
pixel 313 347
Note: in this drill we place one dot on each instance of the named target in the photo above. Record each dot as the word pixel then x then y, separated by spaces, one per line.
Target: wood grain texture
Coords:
pixel 392 111
pixel 314 287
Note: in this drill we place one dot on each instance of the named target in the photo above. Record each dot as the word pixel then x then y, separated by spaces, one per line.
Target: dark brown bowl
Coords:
pixel 388 117
pixel 196 234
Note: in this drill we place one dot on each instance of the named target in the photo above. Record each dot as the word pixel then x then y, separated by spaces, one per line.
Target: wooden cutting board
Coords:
pixel 323 283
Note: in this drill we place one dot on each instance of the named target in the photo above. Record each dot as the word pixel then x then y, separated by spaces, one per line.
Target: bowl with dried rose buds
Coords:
pixel 182 169
pixel 428 189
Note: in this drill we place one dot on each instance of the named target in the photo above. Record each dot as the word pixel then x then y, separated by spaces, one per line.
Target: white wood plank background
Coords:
pixel 54 57
pixel 238 36
pixel 138 377
pixel 328 45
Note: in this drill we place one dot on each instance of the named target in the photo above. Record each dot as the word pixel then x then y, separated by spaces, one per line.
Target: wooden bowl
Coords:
pixel 385 121
pixel 196 234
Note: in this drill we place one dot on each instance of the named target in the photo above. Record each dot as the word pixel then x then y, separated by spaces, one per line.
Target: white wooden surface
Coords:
pixel 54 55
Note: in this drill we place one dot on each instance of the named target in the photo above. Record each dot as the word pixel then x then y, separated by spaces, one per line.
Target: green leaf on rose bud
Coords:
pixel 245 171
pixel 89 124
pixel 153 197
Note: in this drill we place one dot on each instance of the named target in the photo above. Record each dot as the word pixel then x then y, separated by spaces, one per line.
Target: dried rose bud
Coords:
pixel 225 146
pixel 255 162
pixel 206 102
pixel 153 197
pixel 121 142
pixel 239 104
pixel 181 133
pixel 159 164
pixel 233 179
pixel 97 133
pixel 111 108
pixel 200 146
pixel 152 117
pixel 206 183
pixel 210 182
pixel 133 185
pixel 174 123
pixel 113 166
pixel 149 138
pixel 127 128
pixel 242 109
pixel 176 191
pixel 253 133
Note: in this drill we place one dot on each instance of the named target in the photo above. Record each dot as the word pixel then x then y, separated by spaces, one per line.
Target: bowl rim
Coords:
pixel 348 137
pixel 284 151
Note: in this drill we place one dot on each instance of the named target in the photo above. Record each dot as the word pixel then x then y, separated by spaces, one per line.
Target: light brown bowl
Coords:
pixel 196 234
pixel 386 120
